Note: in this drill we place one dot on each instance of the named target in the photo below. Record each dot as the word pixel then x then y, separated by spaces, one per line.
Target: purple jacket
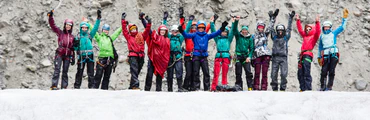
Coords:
pixel 65 39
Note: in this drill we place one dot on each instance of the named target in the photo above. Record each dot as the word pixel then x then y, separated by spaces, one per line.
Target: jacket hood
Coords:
pixel 163 27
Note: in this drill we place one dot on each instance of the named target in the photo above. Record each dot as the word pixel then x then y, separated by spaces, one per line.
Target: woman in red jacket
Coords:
pixel 159 44
pixel 64 54
pixel 310 35
pixel 135 44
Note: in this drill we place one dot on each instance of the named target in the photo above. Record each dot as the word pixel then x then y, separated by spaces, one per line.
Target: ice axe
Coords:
pixel 241 17
pixel 60 2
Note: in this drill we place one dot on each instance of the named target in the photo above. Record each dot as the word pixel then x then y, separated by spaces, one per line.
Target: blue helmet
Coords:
pixel 106 27
pixel 201 22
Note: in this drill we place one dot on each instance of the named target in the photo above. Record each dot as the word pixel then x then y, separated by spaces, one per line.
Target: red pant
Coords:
pixel 264 62
pixel 225 68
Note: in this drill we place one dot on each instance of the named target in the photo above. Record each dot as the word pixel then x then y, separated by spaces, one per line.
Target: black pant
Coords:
pixel 239 65
pixel 58 62
pixel 201 61
pixel 329 66
pixel 304 73
pixel 178 67
pixel 136 63
pixel 104 66
pixel 80 69
pixel 282 64
pixel 188 82
pixel 149 78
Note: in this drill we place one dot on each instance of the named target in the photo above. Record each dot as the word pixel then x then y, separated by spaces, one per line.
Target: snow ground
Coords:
pixel 139 105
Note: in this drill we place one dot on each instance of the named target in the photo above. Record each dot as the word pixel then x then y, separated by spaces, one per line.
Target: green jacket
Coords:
pixel 176 42
pixel 86 47
pixel 105 44
pixel 223 42
pixel 244 44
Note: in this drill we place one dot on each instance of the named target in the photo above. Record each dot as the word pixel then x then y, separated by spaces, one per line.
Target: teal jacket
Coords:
pixel 105 44
pixel 86 47
pixel 223 42
pixel 244 44
pixel 176 42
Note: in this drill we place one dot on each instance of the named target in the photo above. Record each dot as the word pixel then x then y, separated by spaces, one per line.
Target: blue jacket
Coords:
pixel 200 40
pixel 328 40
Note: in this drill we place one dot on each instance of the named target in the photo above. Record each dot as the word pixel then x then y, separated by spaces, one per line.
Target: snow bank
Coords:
pixel 137 105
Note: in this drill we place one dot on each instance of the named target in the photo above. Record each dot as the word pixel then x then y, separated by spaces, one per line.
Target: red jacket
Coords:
pixel 135 41
pixel 65 38
pixel 160 49
pixel 309 39
pixel 188 42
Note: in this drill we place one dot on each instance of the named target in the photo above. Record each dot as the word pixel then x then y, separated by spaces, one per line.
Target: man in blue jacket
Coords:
pixel 328 51
pixel 200 54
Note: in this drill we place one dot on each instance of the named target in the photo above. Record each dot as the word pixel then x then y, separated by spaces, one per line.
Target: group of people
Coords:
pixel 166 54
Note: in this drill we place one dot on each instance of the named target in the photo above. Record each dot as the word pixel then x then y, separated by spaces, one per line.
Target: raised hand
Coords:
pixel 124 15
pixel 215 17
pixel 291 15
pixel 191 17
pixel 99 14
pixel 345 13
pixel 317 18
pixel 148 19
pixel 141 15
pixel 223 27
pixel 165 15
pixel 181 12
pixel 51 13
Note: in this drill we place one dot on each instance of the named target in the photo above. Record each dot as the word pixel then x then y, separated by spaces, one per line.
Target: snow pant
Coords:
pixel 330 62
pixel 58 62
pixel 263 63
pixel 136 64
pixel 282 64
pixel 239 65
pixel 304 73
pixel 88 61
pixel 188 81
pixel 103 67
pixel 201 62
pixel 176 65
pixel 149 78
pixel 224 62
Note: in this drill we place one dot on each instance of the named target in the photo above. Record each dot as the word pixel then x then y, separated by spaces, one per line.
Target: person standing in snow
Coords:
pixel 244 48
pixel 200 54
pixel 328 55
pixel 64 54
pixel 175 62
pixel 262 53
pixel 106 56
pixel 310 35
pixel 222 58
pixel 159 44
pixel 136 46
pixel 280 37
pixel 85 52
pixel 191 27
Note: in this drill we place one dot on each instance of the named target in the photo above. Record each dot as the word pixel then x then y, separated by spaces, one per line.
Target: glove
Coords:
pixel 276 13
pixel 165 15
pixel 320 61
pixel 124 15
pixel 141 16
pixel 50 14
pixel 271 14
pixel 127 23
pixel 345 13
pixel 291 15
pixel 148 19
pixel 191 17
pixel 72 61
pixel 99 14
pixel 224 24
pixel 215 17
pixel 181 12
pixel 180 29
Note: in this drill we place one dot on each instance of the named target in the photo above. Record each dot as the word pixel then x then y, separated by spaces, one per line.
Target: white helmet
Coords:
pixel 174 27
pixel 327 23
